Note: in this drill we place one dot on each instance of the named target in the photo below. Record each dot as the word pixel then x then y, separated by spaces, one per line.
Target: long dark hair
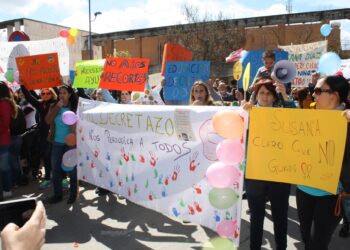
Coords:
pixel 339 84
pixel 6 94
pixel 73 99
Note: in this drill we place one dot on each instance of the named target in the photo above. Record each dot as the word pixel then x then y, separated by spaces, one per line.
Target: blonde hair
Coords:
pixel 208 100
pixel 53 93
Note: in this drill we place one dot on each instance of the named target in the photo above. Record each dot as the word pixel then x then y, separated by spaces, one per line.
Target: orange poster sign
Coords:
pixel 175 53
pixel 39 71
pixel 129 74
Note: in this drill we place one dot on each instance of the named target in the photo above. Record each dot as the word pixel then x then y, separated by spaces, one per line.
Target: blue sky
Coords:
pixel 137 14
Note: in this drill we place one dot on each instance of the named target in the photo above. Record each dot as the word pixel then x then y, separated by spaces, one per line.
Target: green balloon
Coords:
pixel 9 75
pixel 219 244
pixel 222 198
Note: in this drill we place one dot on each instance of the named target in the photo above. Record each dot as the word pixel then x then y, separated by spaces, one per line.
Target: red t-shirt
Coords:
pixel 5 117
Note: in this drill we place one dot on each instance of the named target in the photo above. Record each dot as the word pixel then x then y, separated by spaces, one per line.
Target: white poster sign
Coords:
pixel 345 68
pixel 10 50
pixel 305 57
pixel 147 155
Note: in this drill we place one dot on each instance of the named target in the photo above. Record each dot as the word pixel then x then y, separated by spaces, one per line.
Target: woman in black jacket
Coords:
pixel 42 105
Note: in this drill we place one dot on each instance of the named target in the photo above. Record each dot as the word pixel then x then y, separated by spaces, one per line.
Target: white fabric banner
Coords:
pixel 305 57
pixel 345 68
pixel 10 50
pixel 157 157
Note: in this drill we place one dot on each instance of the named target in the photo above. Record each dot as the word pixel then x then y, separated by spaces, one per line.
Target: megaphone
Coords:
pixel 284 71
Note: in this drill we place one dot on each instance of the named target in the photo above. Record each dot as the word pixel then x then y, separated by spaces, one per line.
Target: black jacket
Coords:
pixel 345 171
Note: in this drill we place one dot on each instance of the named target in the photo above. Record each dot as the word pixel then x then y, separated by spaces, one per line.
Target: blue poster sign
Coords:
pixel 256 61
pixel 179 78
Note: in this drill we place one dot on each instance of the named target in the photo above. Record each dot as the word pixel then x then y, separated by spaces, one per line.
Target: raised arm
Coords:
pixel 212 92
pixel 30 98
pixel 108 97
pixel 54 109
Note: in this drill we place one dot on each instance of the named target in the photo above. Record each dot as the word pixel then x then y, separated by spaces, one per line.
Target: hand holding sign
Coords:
pixel 129 74
pixel 39 71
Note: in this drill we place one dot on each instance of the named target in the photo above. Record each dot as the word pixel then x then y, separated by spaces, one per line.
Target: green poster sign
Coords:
pixel 88 73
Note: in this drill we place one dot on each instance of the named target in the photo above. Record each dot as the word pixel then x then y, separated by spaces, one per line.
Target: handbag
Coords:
pixel 343 202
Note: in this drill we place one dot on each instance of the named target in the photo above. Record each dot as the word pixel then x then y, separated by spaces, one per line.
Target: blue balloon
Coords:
pixel 326 30
pixel 329 63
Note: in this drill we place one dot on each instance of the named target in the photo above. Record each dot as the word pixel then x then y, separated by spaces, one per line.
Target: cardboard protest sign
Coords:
pixel 157 157
pixel 175 53
pixel 40 71
pixel 255 59
pixel 305 57
pixel 179 78
pixel 129 74
pixel 88 73
pixel 9 51
pixel 297 146
pixel 345 68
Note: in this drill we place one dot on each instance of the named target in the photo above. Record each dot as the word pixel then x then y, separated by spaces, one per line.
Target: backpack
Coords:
pixel 18 124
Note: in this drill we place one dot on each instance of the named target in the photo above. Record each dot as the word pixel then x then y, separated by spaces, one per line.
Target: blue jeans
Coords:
pixel 15 152
pixel 58 150
pixel 6 182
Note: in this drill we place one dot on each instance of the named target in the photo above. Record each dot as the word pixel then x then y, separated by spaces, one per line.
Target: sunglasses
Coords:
pixel 319 91
pixel 45 93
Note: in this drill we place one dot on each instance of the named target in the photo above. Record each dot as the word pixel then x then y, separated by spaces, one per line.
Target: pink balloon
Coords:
pixel 220 175
pixel 227 228
pixel 64 33
pixel 230 151
pixel 69 158
pixel 69 118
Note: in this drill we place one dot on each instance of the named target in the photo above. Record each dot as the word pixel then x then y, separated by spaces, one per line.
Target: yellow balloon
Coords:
pixel 228 124
pixel 246 76
pixel 237 70
pixel 73 32
pixel 71 40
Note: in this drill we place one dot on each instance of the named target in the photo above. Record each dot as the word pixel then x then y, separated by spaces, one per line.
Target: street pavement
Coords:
pixel 110 222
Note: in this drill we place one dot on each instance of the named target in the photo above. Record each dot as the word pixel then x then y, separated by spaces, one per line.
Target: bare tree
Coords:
pixel 207 37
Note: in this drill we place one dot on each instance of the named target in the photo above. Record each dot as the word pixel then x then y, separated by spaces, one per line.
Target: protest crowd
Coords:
pixel 35 134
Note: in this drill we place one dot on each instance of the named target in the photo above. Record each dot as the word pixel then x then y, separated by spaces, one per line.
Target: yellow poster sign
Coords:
pixel 237 70
pixel 296 146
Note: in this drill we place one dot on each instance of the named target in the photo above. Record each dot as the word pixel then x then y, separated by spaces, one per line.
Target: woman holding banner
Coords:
pixel 316 208
pixel 259 191
pixel 68 101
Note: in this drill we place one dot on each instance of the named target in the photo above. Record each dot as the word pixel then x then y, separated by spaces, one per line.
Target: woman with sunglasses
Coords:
pixel 316 207
pixel 68 101
pixel 258 192
pixel 47 97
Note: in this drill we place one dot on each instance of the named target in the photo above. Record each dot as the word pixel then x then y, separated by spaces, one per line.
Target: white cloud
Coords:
pixel 156 13
pixel 25 7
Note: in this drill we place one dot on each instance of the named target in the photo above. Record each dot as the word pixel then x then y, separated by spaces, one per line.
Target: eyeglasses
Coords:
pixel 319 91
pixel 45 93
